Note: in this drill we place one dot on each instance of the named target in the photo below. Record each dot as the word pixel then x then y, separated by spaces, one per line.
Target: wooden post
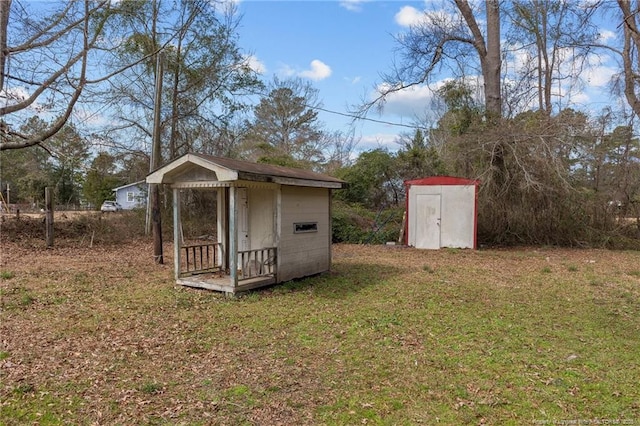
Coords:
pixel 156 223
pixel 402 228
pixel 177 241
pixel 233 235
pixel 48 206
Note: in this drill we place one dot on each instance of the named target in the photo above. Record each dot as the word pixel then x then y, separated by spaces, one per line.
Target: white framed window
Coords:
pixel 131 197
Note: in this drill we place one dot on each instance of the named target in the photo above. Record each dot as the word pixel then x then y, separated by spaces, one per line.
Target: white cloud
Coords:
pixel 88 117
pixel 435 16
pixel 286 71
pixel 319 71
pixel 15 95
pixel 256 64
pixel 409 103
pixel 606 35
pixel 599 76
pixel 378 140
pixel 580 98
pixel 353 5
pixel 408 16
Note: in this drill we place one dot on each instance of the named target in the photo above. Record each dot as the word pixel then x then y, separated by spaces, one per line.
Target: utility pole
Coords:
pixel 156 160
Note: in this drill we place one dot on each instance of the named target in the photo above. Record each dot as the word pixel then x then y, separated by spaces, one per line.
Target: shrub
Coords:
pixel 355 224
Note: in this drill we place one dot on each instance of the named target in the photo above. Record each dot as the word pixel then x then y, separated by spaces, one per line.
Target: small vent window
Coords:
pixel 304 227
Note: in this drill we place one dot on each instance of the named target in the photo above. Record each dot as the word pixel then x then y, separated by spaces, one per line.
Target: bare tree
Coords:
pixel 449 39
pixel 553 38
pixel 631 63
pixel 44 65
pixel 206 75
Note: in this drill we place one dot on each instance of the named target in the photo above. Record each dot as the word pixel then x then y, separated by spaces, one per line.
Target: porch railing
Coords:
pixel 200 258
pixel 256 263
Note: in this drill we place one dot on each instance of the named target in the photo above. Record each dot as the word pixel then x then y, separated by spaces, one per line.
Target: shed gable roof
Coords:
pixel 228 170
pixel 442 180
pixel 134 184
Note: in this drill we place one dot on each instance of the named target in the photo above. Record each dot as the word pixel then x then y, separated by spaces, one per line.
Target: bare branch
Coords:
pixel 61 121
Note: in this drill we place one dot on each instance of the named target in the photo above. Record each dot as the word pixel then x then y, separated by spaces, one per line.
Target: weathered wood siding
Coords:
pixel 308 253
pixel 261 218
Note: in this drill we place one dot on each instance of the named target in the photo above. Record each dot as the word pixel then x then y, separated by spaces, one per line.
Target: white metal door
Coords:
pixel 243 220
pixel 427 221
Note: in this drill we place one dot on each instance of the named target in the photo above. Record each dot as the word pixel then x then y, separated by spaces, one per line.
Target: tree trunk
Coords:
pixel 493 62
pixel 489 52
pixel 5 8
pixel 631 44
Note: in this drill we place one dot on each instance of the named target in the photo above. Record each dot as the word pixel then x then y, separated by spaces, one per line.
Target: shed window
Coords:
pixel 302 227
pixel 130 197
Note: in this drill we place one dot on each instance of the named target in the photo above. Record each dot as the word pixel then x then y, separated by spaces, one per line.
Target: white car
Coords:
pixel 110 206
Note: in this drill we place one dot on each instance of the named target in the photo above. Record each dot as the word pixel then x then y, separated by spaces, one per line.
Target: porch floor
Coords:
pixel 217 283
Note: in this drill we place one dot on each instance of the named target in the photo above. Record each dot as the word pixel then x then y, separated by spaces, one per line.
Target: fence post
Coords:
pixel 48 206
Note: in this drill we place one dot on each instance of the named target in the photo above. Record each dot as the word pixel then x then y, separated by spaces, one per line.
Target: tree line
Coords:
pixel 550 174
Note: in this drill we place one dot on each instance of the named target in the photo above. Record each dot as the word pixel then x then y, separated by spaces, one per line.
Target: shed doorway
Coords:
pixel 427 221
pixel 441 212
pixel 243 220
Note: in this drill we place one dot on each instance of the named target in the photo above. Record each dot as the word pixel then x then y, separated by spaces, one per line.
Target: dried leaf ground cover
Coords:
pixel 392 336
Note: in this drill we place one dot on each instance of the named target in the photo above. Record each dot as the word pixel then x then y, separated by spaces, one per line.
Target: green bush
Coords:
pixel 355 224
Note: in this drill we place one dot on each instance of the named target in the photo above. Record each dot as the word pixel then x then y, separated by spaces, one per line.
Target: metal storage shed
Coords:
pixel 441 212
pixel 273 223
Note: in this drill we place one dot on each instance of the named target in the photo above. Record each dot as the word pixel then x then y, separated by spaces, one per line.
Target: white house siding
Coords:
pixel 131 196
pixel 304 254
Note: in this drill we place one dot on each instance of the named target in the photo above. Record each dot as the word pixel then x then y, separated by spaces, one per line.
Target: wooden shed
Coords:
pixel 441 212
pixel 273 223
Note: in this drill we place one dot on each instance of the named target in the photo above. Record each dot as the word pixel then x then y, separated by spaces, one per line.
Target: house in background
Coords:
pixel 131 196
pixel 273 223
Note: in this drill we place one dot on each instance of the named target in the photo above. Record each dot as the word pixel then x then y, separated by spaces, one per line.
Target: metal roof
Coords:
pixel 442 180
pixel 246 170
pixel 267 169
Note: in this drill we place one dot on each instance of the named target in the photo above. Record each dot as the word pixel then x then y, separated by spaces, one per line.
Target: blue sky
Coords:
pixel 342 47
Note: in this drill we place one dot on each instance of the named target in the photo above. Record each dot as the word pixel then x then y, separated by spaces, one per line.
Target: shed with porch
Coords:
pixel 441 212
pixel 273 223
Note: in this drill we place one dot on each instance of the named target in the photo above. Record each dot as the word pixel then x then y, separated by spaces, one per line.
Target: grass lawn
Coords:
pixel 392 336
